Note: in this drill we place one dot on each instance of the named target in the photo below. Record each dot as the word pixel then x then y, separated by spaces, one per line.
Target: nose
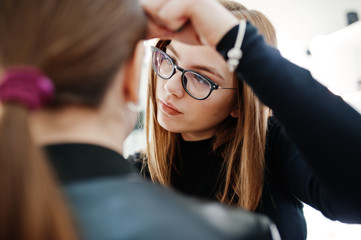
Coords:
pixel 174 85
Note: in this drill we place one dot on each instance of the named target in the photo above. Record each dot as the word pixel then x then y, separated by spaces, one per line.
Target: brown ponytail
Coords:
pixel 31 204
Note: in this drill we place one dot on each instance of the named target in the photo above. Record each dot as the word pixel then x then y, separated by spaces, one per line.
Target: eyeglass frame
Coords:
pixel 214 86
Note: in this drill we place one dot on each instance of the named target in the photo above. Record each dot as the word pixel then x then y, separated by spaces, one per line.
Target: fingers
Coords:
pixel 168 19
pixel 155 30
pixel 157 11
pixel 187 35
pixel 152 6
pixel 175 13
pixel 208 19
pixel 156 27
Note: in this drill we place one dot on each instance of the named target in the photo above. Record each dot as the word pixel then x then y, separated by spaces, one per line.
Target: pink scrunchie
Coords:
pixel 26 85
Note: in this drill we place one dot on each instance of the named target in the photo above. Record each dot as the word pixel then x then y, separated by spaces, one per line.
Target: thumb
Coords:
pixel 186 34
pixel 155 30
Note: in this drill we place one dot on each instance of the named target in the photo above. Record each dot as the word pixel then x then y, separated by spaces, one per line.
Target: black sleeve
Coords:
pixel 325 129
pixel 294 174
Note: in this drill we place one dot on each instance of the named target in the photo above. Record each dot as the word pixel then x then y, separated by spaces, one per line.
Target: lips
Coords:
pixel 168 108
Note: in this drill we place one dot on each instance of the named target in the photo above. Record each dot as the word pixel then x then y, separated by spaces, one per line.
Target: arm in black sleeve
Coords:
pixel 326 130
pixel 294 174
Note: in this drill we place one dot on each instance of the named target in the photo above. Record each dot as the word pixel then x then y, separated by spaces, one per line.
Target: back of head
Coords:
pixel 80 45
pixel 72 42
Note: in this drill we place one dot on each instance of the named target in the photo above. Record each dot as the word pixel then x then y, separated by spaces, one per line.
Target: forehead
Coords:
pixel 195 55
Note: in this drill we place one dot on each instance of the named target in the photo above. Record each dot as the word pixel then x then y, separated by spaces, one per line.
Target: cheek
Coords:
pixel 223 109
pixel 159 86
pixel 210 114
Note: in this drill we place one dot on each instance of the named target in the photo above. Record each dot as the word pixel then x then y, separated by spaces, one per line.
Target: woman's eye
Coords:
pixel 201 79
pixel 169 61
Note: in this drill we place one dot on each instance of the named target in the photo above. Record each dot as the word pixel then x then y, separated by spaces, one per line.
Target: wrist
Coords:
pixel 213 23
pixel 235 54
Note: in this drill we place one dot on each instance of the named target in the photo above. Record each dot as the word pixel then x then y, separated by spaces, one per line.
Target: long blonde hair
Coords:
pixel 241 140
pixel 80 45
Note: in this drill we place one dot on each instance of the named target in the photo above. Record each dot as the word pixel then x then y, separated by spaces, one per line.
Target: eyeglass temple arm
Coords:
pixel 225 88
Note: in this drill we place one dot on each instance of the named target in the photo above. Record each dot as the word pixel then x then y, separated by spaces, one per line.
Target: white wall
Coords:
pixel 304 19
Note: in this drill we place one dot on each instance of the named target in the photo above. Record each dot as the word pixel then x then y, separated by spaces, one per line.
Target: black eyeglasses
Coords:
pixel 195 84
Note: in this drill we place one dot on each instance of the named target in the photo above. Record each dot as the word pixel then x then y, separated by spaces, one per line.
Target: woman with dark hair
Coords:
pixel 68 83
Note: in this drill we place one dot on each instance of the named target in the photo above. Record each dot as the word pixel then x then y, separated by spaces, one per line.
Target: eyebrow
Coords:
pixel 212 70
pixel 170 47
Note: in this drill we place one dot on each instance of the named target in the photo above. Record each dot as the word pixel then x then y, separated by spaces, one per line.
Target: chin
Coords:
pixel 169 127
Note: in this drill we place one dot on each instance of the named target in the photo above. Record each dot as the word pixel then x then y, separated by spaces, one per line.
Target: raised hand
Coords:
pixel 194 22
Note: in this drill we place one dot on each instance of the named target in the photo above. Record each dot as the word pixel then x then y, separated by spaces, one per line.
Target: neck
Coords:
pixel 78 125
pixel 197 136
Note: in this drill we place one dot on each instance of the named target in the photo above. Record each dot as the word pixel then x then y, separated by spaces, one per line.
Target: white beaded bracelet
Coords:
pixel 235 53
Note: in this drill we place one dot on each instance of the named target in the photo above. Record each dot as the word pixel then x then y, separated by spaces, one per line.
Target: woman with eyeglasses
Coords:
pixel 209 136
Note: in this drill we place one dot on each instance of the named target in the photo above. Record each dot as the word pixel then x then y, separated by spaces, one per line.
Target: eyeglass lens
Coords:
pixel 162 64
pixel 194 84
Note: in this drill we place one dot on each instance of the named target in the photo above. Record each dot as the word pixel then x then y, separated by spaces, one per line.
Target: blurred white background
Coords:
pixel 320 28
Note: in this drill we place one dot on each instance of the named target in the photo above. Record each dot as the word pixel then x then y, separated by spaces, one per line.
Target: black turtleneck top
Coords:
pixel 197 169
pixel 288 181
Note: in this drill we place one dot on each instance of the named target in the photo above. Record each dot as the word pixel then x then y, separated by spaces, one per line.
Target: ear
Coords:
pixel 235 112
pixel 132 72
